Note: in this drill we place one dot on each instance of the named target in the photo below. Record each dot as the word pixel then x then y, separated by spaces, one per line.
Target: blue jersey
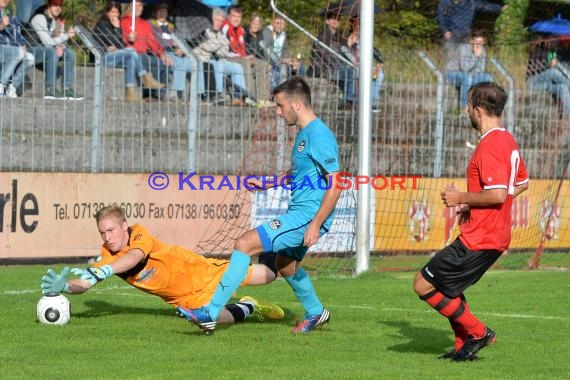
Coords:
pixel 314 156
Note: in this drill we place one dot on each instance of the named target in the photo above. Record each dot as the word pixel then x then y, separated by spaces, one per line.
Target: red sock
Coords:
pixel 457 311
pixel 460 334
pixel 472 325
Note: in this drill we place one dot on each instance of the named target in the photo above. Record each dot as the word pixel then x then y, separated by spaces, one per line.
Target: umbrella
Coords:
pixel 349 8
pixel 191 17
pixel 557 26
pixel 25 9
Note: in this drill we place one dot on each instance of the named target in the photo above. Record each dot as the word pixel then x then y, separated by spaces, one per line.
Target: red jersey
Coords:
pixel 495 164
pixel 236 35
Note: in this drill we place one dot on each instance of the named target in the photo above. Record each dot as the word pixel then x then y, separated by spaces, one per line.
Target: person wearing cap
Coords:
pixel 49 27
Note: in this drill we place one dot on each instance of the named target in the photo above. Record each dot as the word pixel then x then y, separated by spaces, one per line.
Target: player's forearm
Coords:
pixel 78 286
pixel 128 261
pixel 483 198
pixel 520 189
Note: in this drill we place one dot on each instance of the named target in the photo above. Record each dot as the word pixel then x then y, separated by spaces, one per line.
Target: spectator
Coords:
pixel 455 17
pixel 323 61
pixel 214 48
pixel 109 37
pixel 253 36
pixel 325 64
pixel 49 27
pixel 164 29
pixel 143 41
pixel 14 56
pixel 552 78
pixel 467 66
pixel 352 51
pixel 276 50
pixel 235 32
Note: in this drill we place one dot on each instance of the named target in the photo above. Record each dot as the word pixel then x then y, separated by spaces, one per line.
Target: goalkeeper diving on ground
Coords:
pixel 178 275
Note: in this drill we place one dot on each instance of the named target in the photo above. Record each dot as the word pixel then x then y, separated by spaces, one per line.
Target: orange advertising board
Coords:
pixel 416 219
pixel 52 214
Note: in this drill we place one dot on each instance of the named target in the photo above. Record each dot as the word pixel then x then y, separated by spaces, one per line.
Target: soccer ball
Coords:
pixel 53 310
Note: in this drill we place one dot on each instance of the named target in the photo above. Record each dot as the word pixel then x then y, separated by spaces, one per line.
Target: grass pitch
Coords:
pixel 378 330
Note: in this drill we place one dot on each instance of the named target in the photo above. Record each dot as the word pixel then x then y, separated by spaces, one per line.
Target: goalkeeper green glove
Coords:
pixel 94 274
pixel 53 283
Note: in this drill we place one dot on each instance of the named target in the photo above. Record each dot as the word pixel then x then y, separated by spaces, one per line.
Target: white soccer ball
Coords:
pixel 54 310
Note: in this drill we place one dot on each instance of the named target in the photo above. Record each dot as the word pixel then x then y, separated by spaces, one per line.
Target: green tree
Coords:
pixel 84 12
pixel 509 27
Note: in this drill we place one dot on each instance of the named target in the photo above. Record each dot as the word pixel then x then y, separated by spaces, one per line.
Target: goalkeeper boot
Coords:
pixel 264 310
pixel 200 317
pixel 473 345
pixel 311 322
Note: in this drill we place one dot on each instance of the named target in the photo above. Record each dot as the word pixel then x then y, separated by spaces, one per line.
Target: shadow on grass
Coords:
pixel 288 320
pixel 102 308
pixel 97 309
pixel 420 339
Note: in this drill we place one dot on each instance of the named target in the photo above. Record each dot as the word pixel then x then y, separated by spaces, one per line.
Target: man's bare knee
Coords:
pixel 421 286
pixel 286 266
pixel 249 243
pixel 242 244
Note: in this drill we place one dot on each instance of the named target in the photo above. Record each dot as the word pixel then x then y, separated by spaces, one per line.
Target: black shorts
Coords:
pixel 456 267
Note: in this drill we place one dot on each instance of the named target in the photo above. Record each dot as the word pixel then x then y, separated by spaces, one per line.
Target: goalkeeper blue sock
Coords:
pixel 303 288
pixel 231 280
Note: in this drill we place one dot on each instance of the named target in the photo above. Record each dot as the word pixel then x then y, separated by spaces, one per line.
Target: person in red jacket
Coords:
pixel 141 38
pixel 235 32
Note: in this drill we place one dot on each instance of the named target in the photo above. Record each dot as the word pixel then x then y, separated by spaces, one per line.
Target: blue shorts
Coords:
pixel 285 234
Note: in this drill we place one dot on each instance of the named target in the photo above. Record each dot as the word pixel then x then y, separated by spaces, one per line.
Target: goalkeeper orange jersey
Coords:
pixel 178 275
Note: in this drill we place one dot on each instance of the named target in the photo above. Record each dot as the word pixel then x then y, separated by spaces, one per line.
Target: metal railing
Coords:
pixel 416 130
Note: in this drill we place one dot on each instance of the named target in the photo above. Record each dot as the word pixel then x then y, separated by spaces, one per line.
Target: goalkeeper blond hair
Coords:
pixel 111 210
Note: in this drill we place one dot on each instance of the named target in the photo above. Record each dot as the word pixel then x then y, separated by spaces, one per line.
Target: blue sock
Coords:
pixel 231 280
pixel 303 288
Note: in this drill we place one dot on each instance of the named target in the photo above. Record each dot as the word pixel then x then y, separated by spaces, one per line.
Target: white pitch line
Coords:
pixel 502 315
pixel 133 294
pixel 515 315
pixel 110 288
pixel 28 291
pixel 18 292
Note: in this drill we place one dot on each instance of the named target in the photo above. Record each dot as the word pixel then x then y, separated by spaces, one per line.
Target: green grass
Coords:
pixel 379 330
pixel 398 262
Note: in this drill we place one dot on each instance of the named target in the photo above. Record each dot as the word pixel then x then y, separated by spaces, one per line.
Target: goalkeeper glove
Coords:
pixel 53 283
pixel 93 274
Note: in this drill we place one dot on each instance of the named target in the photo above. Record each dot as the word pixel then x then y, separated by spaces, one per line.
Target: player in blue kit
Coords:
pixel 314 193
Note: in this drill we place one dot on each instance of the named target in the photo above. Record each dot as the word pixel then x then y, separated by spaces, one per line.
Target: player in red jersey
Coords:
pixel 495 175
